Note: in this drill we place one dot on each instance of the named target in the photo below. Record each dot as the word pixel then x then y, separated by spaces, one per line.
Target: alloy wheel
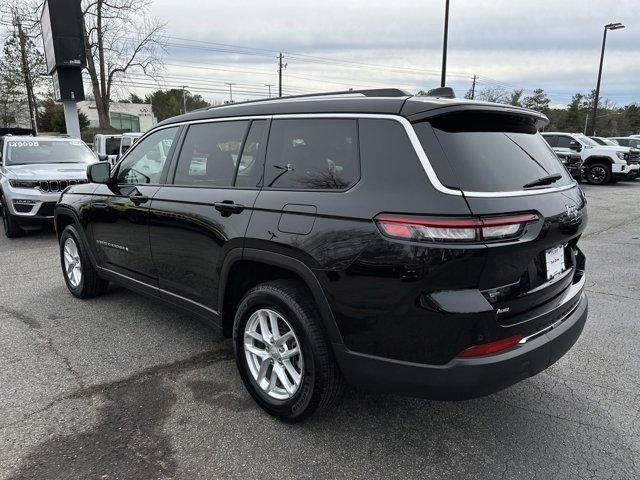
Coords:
pixel 273 355
pixel 72 263
pixel 597 174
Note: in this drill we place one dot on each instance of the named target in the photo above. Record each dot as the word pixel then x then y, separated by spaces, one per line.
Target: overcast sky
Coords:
pixel 554 45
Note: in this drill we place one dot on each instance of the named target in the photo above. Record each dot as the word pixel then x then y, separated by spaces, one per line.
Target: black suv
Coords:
pixel 420 245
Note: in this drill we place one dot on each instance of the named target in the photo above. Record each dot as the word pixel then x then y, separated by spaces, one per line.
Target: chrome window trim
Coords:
pixel 413 138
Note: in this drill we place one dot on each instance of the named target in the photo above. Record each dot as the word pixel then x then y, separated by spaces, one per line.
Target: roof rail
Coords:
pixel 372 92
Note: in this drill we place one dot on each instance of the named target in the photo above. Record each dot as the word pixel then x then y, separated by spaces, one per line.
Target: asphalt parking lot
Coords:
pixel 122 387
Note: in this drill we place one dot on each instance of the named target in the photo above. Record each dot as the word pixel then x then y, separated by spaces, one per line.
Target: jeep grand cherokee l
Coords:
pixel 33 172
pixel 420 245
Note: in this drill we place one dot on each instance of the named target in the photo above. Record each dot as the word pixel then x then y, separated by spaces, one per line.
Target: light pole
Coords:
pixel 444 44
pixel 269 85
pixel 609 26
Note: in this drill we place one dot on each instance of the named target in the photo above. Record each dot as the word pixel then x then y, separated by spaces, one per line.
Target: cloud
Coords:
pixel 550 44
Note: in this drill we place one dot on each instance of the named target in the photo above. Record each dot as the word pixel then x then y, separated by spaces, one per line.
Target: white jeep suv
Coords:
pixel 602 163
pixel 33 173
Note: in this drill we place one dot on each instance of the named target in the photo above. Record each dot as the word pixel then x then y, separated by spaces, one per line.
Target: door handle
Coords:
pixel 138 199
pixel 227 207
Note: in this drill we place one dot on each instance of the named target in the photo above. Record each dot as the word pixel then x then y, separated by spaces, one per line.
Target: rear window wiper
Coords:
pixel 543 181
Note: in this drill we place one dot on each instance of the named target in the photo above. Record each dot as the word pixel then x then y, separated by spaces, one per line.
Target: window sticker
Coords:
pixel 23 144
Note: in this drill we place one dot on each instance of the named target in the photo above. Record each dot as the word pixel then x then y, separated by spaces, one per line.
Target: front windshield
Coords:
pixel 586 140
pixel 36 151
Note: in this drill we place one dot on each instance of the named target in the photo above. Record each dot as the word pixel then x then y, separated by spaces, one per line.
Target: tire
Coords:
pixel 9 223
pixel 79 274
pixel 598 174
pixel 320 381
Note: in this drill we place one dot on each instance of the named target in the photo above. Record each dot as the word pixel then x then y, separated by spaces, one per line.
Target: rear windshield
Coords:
pixel 489 152
pixel 37 151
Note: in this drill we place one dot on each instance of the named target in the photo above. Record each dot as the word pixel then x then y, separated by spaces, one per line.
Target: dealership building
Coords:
pixel 129 117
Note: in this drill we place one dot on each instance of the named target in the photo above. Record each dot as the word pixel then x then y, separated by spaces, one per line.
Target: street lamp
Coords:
pixel 444 44
pixel 609 26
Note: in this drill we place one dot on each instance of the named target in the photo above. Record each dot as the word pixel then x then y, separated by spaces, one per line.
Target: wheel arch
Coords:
pixel 65 216
pixel 244 268
pixel 597 159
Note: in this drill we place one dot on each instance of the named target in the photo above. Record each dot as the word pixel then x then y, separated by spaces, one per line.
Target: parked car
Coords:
pixel 108 145
pixel 128 139
pixel 418 245
pixel 604 141
pixel 33 173
pixel 630 142
pixel 601 163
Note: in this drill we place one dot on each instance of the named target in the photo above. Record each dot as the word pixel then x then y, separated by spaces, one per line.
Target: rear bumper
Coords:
pixel 462 379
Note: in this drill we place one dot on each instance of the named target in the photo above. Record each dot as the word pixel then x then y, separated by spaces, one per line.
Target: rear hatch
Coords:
pixel 505 168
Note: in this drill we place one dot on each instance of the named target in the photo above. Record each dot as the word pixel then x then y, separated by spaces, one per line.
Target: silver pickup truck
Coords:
pixel 33 173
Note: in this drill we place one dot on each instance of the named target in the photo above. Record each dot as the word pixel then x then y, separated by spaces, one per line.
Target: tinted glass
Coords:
pixel 487 152
pixel 210 154
pixel 251 164
pixel 112 145
pixel 625 142
pixel 564 141
pixel 313 153
pixel 38 151
pixel 634 143
pixel 145 161
pixel 552 140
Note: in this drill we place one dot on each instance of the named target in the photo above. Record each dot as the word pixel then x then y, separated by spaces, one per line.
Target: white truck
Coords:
pixel 107 144
pixel 602 163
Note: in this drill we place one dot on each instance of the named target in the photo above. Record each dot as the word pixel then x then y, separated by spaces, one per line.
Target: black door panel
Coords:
pixel 120 228
pixel 190 236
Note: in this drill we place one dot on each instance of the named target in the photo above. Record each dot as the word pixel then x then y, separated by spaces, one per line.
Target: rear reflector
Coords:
pixel 491 347
pixel 468 230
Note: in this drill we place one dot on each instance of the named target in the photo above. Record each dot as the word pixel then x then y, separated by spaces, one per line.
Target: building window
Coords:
pixel 124 121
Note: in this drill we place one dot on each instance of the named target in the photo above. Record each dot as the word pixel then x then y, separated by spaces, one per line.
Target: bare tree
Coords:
pixel 493 94
pixel 119 39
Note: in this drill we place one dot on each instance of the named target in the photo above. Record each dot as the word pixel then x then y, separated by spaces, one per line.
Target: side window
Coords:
pixel 144 163
pixel 314 153
pixel 552 140
pixel 250 168
pixel 210 154
pixel 564 141
pixel 624 142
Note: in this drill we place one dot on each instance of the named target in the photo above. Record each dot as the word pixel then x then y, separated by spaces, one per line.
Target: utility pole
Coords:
pixel 269 85
pixel 444 45
pixel 473 87
pixel 280 68
pixel 586 121
pixel 184 99
pixel 610 26
pixel 25 71
pixel 230 91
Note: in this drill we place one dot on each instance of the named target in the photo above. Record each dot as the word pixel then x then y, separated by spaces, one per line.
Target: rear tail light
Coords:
pixel 465 230
pixel 491 347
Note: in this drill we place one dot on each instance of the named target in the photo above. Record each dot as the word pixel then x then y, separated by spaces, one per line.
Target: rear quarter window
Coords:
pixel 313 154
pixel 488 152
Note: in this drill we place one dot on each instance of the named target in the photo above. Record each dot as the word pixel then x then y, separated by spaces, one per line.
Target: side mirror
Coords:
pixel 102 157
pixel 99 172
pixel 575 145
